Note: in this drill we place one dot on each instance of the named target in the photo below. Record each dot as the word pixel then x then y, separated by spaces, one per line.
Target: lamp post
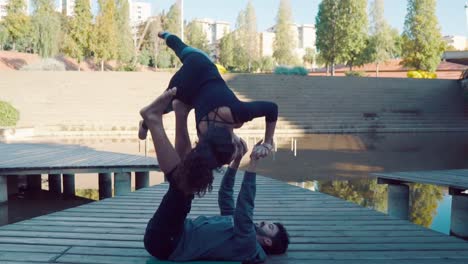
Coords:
pixel 181 4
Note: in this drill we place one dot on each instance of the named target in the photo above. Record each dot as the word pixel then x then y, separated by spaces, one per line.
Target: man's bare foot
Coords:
pixel 156 109
pixel 142 130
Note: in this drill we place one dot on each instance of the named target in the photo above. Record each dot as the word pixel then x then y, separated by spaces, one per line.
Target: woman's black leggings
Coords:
pixel 164 230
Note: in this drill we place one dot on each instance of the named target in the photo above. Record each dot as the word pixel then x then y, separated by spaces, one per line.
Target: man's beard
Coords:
pixel 260 231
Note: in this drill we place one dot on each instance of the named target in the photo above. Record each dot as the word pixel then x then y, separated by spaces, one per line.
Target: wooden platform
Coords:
pixel 454 179
pixel 323 229
pixel 24 159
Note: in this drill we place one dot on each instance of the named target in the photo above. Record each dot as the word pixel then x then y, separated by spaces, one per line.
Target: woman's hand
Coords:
pixel 242 149
pixel 261 150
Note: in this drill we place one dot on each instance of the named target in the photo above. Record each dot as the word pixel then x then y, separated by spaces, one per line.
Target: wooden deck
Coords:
pixel 454 179
pixel 59 159
pixel 323 229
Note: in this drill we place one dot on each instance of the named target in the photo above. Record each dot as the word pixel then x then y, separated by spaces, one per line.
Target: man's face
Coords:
pixel 267 229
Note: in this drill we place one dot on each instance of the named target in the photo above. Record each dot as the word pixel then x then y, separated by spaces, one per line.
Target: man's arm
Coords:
pixel 243 216
pixel 226 190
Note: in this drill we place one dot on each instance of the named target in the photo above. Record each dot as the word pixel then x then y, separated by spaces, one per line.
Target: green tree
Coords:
pixel 247 38
pixel 397 41
pixel 105 36
pixel 46 28
pixel 125 45
pixel 341 32
pixel 16 21
pixel 3 36
pixel 78 34
pixel 309 56
pixel 355 37
pixel 329 30
pixel 284 44
pixel 171 23
pixel 381 39
pixel 422 41
pixel 240 60
pixel 195 37
pixel 227 51
pixel 424 202
pixel 150 44
pixel 266 64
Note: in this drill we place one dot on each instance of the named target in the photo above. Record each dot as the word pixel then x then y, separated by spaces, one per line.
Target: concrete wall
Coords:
pixel 111 100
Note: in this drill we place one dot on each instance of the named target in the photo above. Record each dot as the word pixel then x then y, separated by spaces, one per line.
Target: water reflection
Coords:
pixel 424 200
pixel 365 192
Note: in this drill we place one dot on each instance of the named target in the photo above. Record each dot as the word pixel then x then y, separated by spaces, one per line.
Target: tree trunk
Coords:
pixel 333 69
pixel 328 69
pixel 79 65
pixel 377 69
pixel 102 65
pixel 14 46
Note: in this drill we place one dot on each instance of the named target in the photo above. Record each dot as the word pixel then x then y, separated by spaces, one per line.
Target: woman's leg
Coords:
pixel 168 158
pixel 179 47
pixel 182 139
pixel 167 224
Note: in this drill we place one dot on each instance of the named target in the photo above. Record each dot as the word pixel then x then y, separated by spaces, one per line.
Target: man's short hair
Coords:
pixel 280 241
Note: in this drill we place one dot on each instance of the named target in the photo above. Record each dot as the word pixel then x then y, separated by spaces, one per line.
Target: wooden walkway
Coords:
pixel 59 159
pixel 455 179
pixel 323 229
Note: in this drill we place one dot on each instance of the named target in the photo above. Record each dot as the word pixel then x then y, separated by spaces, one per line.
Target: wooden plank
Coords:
pixel 459 255
pixel 29 257
pixel 450 178
pixel 346 231
pixel 35 248
pixel 60 159
pixel 323 229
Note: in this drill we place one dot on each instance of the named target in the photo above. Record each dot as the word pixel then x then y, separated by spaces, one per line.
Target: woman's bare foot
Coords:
pixel 162 33
pixel 155 110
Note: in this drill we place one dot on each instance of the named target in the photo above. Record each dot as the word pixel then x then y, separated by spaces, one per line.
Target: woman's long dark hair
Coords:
pixel 214 149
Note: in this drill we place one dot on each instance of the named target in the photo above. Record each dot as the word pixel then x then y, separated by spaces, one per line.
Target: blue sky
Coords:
pixel 451 13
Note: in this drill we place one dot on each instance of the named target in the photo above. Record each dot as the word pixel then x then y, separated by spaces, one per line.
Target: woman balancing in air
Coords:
pixel 217 112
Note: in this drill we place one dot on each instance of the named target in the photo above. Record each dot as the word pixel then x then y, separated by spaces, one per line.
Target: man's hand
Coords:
pixel 258 152
pixel 261 150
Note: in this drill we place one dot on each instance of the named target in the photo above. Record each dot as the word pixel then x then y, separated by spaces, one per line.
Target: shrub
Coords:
pixel 266 64
pixel 291 71
pixel 9 116
pixel 128 67
pixel 45 65
pixel 421 75
pixel 355 74
pixel 221 69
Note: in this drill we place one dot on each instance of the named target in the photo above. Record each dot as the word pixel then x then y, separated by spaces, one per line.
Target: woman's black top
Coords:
pixel 200 85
